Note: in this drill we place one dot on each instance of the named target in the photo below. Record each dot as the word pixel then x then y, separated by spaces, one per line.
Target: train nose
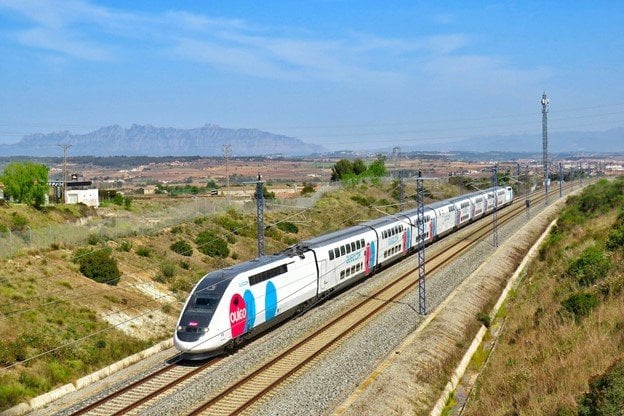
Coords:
pixel 191 332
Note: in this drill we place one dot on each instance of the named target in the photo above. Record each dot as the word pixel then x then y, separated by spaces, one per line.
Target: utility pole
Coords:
pixel 65 147
pixel 259 195
pixel 560 180
pixel 527 202
pixel 397 155
pixel 518 176
pixel 227 152
pixel 420 199
pixel 495 213
pixel 581 174
pixel 545 103
pixel 260 214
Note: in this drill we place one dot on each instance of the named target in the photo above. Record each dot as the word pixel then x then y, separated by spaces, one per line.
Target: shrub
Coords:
pixel 98 265
pixel 288 227
pixel 211 245
pixel 144 251
pixel 185 264
pixel 590 266
pixel 19 221
pixel 484 318
pixel 168 269
pixel 125 246
pixel 93 239
pixel 615 239
pixel 580 304
pixel 118 199
pixel 308 188
pixel 606 393
pixel 182 247
pixel 362 200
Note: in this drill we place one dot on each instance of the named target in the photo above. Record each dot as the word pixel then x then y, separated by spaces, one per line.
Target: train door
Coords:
pixel 326 277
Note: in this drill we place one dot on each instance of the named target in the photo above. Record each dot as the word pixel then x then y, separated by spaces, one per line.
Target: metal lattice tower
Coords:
pixel 495 213
pixel 527 202
pixel 260 214
pixel 397 154
pixel 420 199
pixel 581 174
pixel 65 147
pixel 518 177
pixel 545 103
pixel 560 180
pixel 227 152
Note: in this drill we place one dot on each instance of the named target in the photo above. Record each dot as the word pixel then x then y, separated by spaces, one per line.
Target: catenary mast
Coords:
pixel 545 103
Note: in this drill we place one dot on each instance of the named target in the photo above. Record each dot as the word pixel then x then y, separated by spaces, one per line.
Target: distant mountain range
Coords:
pixel 208 141
pixel 161 141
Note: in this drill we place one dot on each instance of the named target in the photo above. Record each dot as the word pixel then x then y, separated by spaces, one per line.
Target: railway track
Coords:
pixel 132 396
pixel 259 384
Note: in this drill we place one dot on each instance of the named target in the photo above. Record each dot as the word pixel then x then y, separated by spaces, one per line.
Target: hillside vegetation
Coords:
pixel 561 350
pixel 68 310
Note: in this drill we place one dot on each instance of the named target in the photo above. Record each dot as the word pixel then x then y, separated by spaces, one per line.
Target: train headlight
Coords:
pixel 180 328
pixel 204 330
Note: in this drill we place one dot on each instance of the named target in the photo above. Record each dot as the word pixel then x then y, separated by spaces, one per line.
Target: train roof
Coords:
pixel 379 222
pixel 227 274
pixel 438 204
pixel 333 236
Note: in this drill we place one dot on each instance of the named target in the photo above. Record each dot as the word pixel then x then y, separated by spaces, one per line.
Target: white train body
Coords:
pixel 230 305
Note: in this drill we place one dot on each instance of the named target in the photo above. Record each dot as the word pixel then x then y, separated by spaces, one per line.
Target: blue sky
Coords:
pixel 345 74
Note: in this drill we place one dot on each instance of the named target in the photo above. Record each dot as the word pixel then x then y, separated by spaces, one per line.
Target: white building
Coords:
pixel 86 196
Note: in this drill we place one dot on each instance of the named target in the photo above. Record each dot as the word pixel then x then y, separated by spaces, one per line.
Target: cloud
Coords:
pixel 82 30
pixel 60 42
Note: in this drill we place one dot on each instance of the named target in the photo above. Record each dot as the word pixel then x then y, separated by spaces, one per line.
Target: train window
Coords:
pixel 336 252
pixel 205 303
pixel 342 274
pixel 342 250
pixel 357 244
pixel 353 246
pixel 352 269
pixel 362 243
pixel 267 274
pixel 347 272
pixel 331 254
pixel 348 247
pixel 358 267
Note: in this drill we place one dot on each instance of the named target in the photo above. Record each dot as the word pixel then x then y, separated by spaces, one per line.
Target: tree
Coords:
pixel 378 167
pixel 26 182
pixel 359 167
pixel 341 169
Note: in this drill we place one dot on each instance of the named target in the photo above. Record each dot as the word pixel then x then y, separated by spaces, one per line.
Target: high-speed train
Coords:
pixel 230 305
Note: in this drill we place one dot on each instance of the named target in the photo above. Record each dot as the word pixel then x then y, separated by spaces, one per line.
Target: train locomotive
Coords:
pixel 228 306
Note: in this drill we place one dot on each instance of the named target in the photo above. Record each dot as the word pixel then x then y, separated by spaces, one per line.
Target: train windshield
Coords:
pixel 205 303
